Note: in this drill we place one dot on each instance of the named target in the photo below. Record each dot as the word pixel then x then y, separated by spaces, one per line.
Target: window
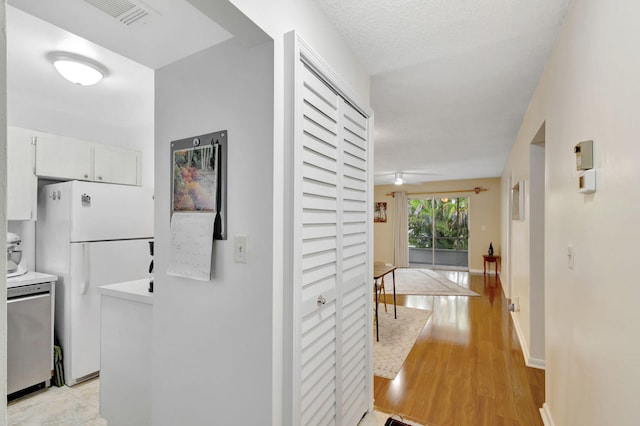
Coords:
pixel 438 230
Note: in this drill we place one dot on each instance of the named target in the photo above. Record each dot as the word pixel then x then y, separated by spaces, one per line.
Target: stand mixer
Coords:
pixel 14 256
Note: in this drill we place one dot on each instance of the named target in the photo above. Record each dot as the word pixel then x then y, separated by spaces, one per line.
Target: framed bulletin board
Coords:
pixel 199 178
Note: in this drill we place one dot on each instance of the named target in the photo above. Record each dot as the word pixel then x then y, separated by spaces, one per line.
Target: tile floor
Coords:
pixel 65 406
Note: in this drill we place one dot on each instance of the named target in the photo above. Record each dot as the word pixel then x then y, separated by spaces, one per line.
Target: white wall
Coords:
pixel 589 90
pixel 212 341
pixel 3 212
pixel 30 114
pixel 277 17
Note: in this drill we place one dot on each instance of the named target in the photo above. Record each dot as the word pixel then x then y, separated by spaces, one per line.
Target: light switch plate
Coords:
pixel 240 249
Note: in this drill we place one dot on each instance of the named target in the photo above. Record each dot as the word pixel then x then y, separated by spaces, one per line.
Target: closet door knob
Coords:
pixel 321 301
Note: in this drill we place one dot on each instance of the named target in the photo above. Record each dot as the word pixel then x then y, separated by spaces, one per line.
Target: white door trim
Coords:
pixel 299 54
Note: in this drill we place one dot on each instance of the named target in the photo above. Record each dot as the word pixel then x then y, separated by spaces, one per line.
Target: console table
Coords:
pixel 491 259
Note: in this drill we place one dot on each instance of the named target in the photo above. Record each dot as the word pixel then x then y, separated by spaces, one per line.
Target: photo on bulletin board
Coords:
pixel 195 179
pixel 380 212
pixel 199 181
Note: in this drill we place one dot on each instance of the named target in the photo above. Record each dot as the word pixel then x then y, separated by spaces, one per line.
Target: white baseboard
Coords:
pixel 545 413
pixel 535 363
pixel 529 361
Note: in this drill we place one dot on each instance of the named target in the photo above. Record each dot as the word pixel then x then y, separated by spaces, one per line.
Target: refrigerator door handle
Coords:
pixel 85 268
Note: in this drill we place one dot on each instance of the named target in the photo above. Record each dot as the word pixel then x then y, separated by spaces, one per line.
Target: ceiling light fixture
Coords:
pixel 399 179
pixel 78 69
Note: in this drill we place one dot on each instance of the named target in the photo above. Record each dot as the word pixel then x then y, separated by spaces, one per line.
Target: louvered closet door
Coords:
pixel 354 324
pixel 330 251
pixel 317 156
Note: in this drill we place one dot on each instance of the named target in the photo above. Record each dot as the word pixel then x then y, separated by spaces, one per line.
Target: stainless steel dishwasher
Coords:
pixel 29 336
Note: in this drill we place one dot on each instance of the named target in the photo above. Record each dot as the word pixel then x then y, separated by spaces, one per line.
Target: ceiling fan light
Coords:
pixel 78 69
pixel 399 179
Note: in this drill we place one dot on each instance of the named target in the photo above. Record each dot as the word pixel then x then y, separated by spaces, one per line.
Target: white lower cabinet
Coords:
pixel 125 353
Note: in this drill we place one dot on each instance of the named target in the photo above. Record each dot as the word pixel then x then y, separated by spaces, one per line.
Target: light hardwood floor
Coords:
pixel 466 367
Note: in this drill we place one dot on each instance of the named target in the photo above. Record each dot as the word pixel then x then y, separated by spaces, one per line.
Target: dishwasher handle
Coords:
pixel 20 299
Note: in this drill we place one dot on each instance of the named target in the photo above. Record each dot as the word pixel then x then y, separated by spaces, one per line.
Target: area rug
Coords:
pixel 425 281
pixel 397 337
pixel 379 418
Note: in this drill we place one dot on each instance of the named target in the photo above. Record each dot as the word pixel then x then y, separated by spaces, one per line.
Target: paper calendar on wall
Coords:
pixel 198 203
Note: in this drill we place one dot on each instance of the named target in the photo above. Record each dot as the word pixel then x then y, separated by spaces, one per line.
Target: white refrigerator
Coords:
pixel 90 234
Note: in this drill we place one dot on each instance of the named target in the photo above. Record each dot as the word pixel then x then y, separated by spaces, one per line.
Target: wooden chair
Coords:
pixel 380 287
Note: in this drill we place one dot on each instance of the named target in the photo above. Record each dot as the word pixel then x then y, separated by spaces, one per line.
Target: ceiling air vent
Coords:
pixel 123 10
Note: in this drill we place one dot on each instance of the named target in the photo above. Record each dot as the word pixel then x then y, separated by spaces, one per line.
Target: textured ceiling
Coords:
pixel 451 79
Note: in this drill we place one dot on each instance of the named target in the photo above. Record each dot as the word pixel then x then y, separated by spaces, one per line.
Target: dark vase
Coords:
pixel 490 249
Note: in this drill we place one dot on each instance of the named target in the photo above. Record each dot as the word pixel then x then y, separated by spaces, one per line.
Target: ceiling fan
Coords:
pixel 404 177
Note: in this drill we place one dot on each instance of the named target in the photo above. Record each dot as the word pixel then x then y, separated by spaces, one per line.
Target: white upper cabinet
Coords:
pixel 116 165
pixel 22 183
pixel 64 158
pixel 32 154
pixel 60 157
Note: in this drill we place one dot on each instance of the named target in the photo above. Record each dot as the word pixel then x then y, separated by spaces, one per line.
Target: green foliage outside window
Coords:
pixel 451 217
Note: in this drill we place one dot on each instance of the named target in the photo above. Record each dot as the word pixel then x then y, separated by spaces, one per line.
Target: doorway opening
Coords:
pixel 537 196
pixel 438 231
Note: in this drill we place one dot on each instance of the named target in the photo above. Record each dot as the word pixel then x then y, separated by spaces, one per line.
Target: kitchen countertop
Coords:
pixel 30 278
pixel 137 291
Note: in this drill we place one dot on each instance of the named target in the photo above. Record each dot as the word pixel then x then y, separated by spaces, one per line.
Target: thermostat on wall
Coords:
pixel 584 155
pixel 587 181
